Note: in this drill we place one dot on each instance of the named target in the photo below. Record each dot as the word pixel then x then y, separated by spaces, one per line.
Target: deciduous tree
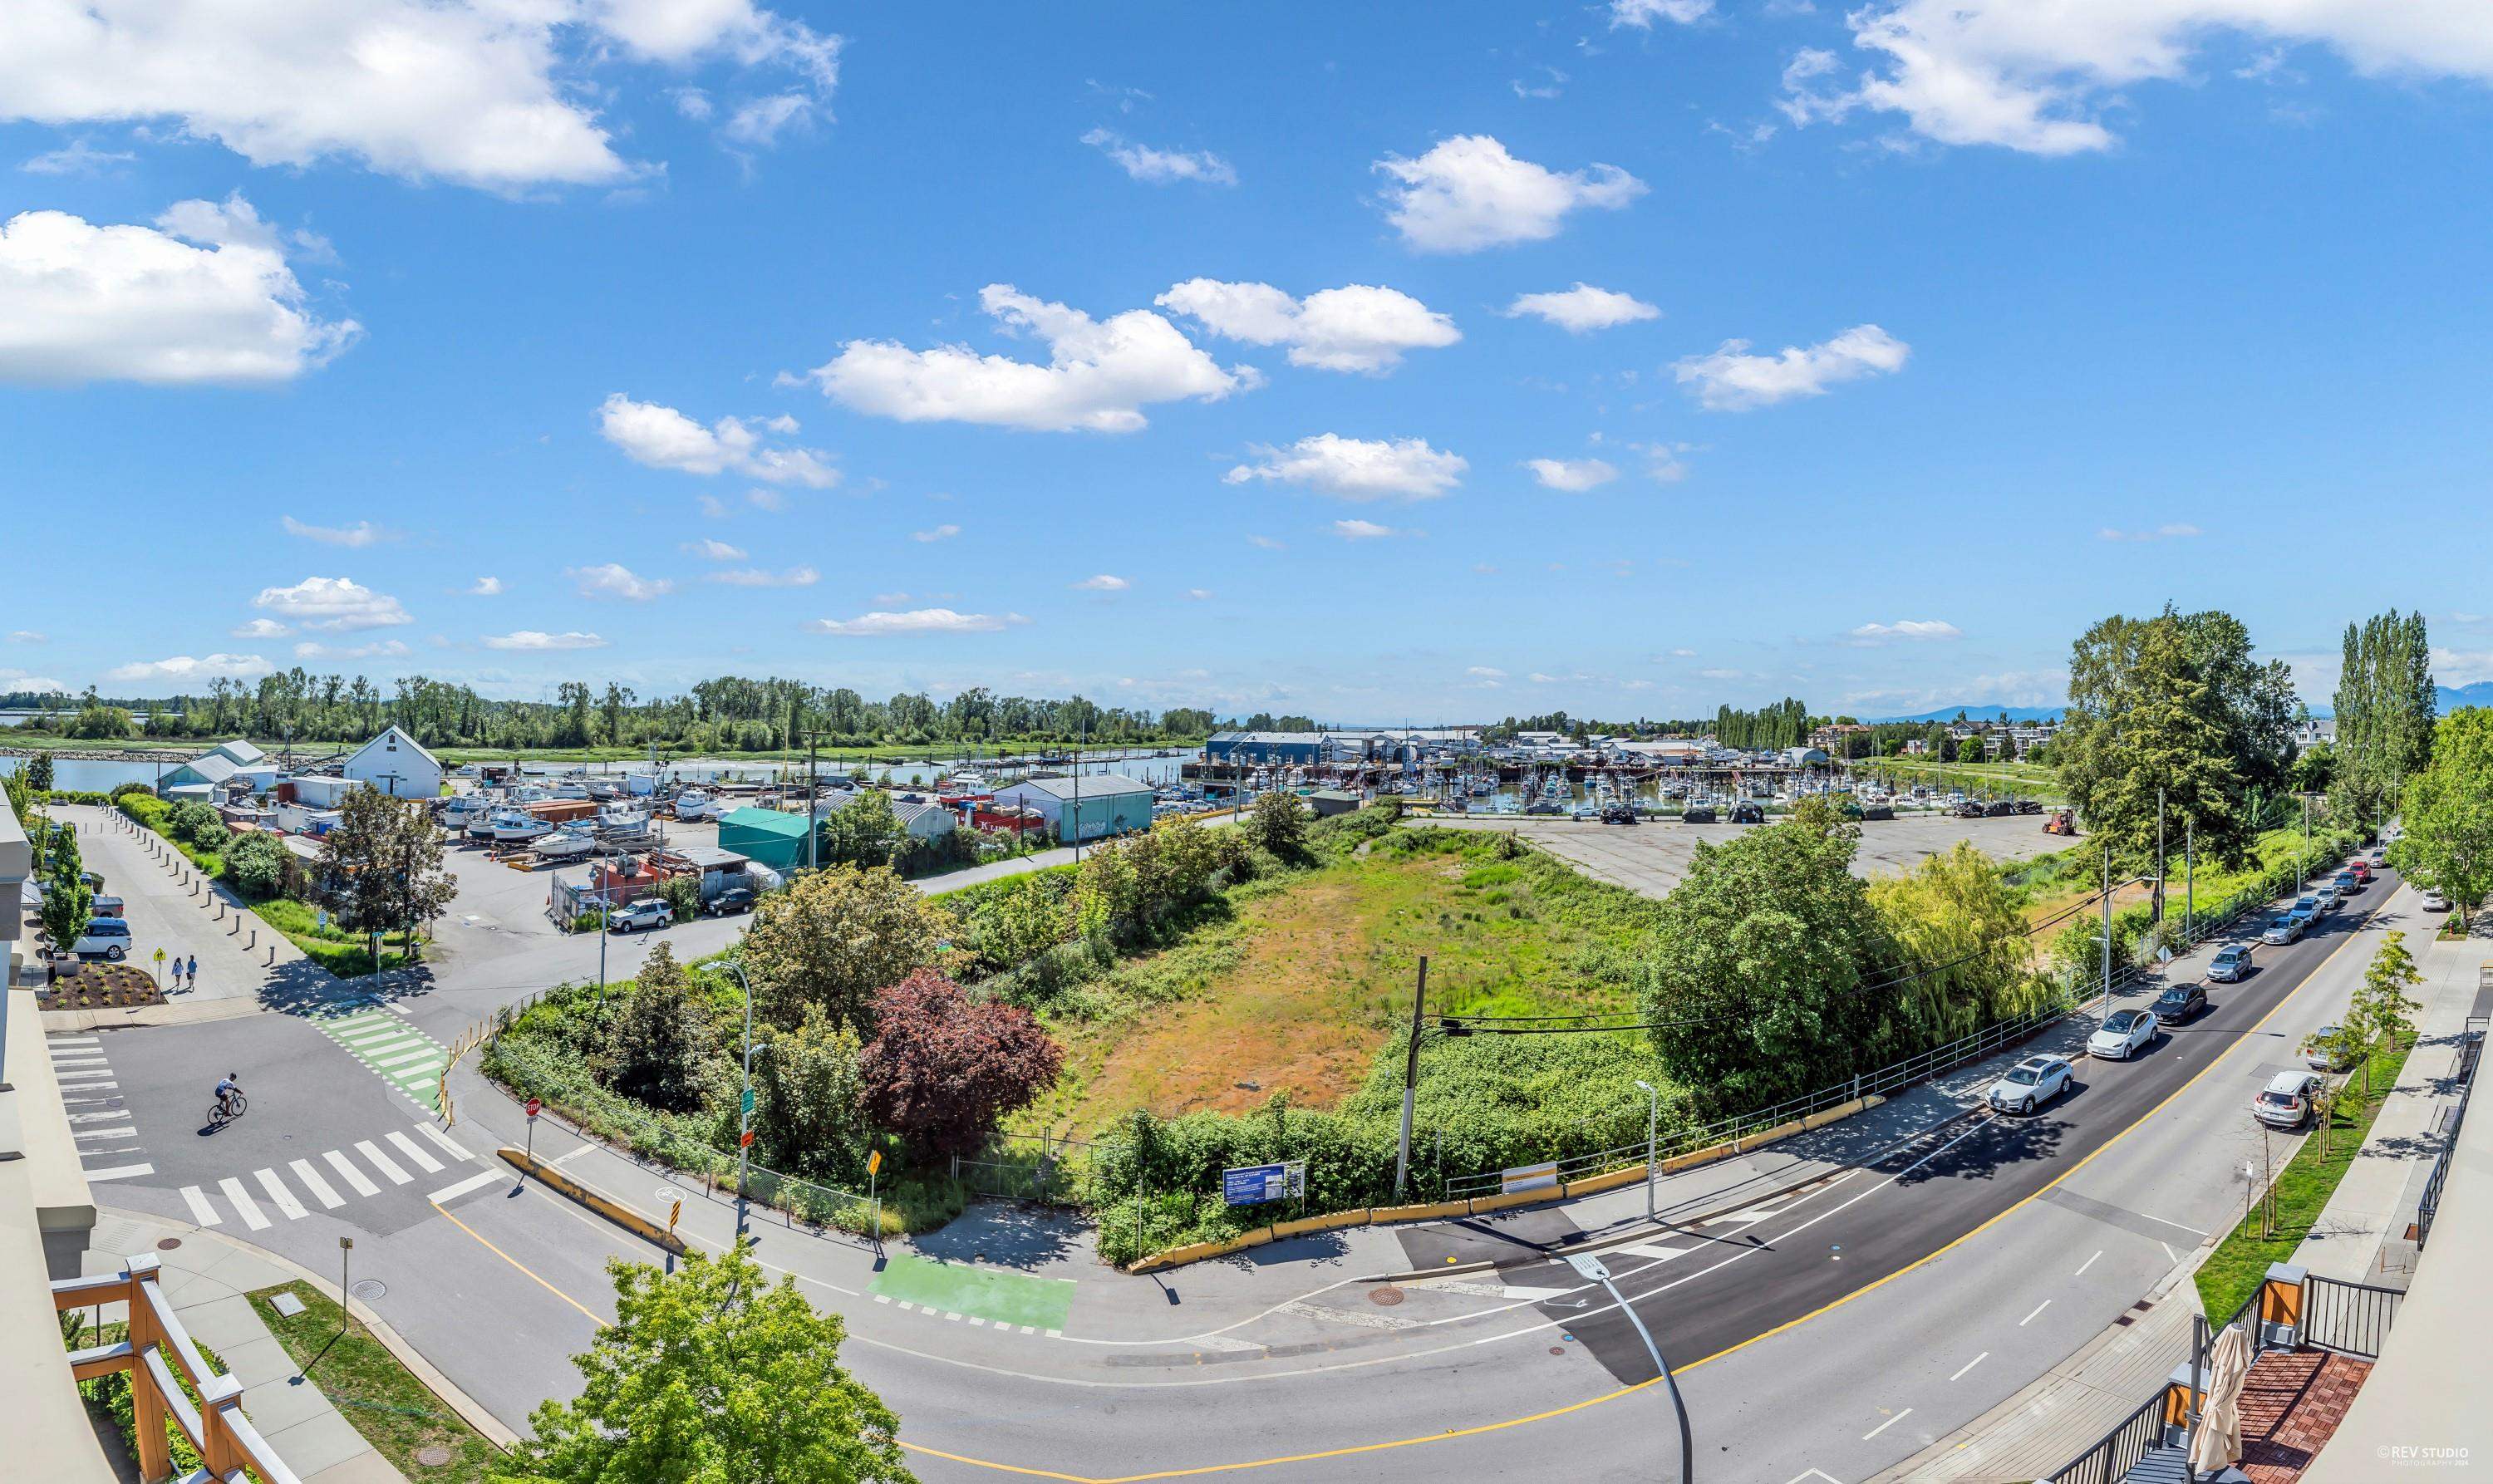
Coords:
pixel 2379 1011
pixel 380 867
pixel 944 1068
pixel 834 938
pixel 1280 824
pixel 810 1104
pixel 712 1375
pixel 657 1036
pixel 2447 812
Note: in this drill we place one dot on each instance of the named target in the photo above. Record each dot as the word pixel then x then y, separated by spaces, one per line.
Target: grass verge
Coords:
pixel 2237 1267
pixel 341 952
pixel 398 1414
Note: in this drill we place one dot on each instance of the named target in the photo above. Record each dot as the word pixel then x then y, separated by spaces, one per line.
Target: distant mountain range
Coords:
pixel 2452 697
pixel 1977 714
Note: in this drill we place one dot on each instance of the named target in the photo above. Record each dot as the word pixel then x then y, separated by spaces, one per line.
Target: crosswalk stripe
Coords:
pixel 421 1072
pixel 443 1139
pixel 240 1200
pixel 80 1062
pixel 104 1133
pixel 201 1211
pixel 88 1080
pixel 472 1182
pixel 415 1151
pixel 377 1029
pixel 119 1115
pixel 382 1161
pixel 113 1153
pixel 353 1176
pixel 74 1040
pixel 412 1051
pixel 279 1193
pixel 312 1182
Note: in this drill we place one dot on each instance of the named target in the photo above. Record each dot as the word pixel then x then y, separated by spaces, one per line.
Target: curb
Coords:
pixel 597 1200
pixel 442 1386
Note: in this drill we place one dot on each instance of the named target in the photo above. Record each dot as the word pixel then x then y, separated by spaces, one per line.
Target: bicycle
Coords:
pixel 221 1113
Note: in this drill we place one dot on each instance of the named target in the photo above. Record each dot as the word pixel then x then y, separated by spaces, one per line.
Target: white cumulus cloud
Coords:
pixel 1364 531
pixel 1583 309
pixel 1102 583
pixel 363 533
pixel 486 587
pixel 2036 77
pixel 1161 167
pixel 1642 14
pixel 1358 468
pixel 1573 475
pixel 1733 380
pixel 538 638
pixel 203 296
pixel 314 649
pixel 1354 328
pixel 1468 193
pixel 876 625
pixel 260 628
pixel 944 532
pixel 338 604
pixel 480 92
pixel 755 576
pixel 716 551
pixel 663 438
pixel 614 579
pixel 183 666
pixel 1100 373
pixel 1916 630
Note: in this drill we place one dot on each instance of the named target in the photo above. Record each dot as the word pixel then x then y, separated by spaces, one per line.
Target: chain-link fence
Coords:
pixel 825 1208
pixel 1043 1167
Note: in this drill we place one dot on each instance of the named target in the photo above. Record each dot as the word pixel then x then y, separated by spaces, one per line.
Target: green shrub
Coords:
pixel 257 865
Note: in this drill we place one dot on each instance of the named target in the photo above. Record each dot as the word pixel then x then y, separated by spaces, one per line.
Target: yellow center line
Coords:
pixel 522 1266
pixel 1590 1402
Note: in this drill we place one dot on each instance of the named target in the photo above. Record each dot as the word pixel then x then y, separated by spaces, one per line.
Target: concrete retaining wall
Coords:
pixel 597 1200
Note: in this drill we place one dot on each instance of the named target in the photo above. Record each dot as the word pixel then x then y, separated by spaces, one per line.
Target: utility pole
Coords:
pixel 1410 1078
pixel 2107 934
pixel 2189 877
pixel 2160 861
pixel 744 1104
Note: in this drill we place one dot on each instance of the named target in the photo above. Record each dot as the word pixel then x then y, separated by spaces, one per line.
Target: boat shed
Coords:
pixel 1328 802
pixel 1086 807
pixel 1261 747
pixel 773 837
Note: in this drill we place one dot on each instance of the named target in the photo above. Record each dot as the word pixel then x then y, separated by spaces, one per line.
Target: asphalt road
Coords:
pixel 1923 1255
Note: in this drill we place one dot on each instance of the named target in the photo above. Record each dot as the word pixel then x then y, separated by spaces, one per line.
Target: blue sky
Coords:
pixel 923 347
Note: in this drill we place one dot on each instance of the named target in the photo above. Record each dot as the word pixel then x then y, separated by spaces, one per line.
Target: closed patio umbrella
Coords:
pixel 2218 1443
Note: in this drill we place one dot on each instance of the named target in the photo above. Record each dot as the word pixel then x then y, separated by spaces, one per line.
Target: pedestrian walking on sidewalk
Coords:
pixel 195 972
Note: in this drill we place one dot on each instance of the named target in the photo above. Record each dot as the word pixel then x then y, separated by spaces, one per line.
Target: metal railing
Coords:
pixel 1044 1167
pixel 2132 1438
pixel 155 1350
pixel 2470 1053
pixel 2352 1318
pixel 825 1208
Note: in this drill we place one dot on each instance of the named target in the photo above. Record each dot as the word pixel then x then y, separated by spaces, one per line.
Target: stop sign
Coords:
pixel 533 1107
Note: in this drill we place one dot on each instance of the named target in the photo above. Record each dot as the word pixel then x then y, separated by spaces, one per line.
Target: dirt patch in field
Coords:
pixel 1295 1016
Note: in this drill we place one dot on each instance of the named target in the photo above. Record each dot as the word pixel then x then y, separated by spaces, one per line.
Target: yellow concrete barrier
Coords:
pixel 597 1200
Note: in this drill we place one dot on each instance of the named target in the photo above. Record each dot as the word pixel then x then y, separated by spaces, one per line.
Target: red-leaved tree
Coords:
pixel 942 1068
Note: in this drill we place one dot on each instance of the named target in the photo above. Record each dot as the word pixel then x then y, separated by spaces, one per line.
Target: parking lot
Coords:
pixel 498 906
pixel 1651 858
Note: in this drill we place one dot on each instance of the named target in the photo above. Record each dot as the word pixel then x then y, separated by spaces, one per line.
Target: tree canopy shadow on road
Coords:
pixel 1005 1233
pixel 2005 1142
pixel 301 987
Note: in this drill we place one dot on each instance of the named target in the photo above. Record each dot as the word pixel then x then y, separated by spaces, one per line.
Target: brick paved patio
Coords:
pixel 2291 1403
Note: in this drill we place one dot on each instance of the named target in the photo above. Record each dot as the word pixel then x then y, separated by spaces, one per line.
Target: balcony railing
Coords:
pixel 155 1350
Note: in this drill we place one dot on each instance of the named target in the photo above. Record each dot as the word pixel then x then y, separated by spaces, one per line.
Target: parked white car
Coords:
pixel 2286 1099
pixel 2030 1084
pixel 105 937
pixel 2435 899
pixel 2123 1034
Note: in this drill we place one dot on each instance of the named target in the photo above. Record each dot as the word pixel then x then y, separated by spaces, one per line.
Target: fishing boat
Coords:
pixel 516 826
pixel 693 804
pixel 618 815
pixel 568 843
pixel 529 794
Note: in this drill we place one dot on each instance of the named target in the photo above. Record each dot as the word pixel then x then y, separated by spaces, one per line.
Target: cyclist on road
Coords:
pixel 227 1090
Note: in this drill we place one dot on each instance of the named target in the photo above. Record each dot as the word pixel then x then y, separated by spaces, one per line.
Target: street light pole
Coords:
pixel 1410 1078
pixel 2107 934
pixel 1652 1124
pixel 1592 1267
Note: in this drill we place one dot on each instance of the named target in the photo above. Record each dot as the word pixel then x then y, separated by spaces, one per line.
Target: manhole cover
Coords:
pixel 433 1455
pixel 1385 1298
pixel 1557 1350
pixel 168 1244
pixel 369 1289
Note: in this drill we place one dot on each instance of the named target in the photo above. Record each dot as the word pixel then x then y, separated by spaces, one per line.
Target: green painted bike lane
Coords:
pixel 958 1291
pixel 391 1048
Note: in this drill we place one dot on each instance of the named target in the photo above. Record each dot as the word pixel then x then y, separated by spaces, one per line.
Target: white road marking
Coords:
pixel 87 1081
pixel 104 1133
pixel 1813 1474
pixel 2029 1318
pixel 353 1176
pixel 472 1182
pixel 2168 1252
pixel 415 1151
pixel 118 1173
pixel 2175 1225
pixel 80 1063
pixel 404 1051
pixel 1969 1365
pixel 883 1298
pixel 1658 1254
pixel 1534 1295
pixel 382 1162
pixel 201 1211
pixel 2088 1263
pixel 445 1141
pixel 1884 1426
pixel 120 1116
pixel 428 1070
pixel 74 1040
pixel 240 1200
pixel 279 1193
pixel 321 1190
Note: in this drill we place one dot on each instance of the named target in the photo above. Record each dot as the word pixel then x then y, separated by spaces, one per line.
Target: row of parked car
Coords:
pixel 2289 1098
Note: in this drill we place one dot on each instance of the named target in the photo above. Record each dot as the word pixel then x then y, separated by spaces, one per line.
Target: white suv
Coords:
pixel 2030 1084
pixel 105 937
pixel 648 912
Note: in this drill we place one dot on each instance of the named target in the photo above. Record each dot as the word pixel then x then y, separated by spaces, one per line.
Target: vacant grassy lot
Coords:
pixel 1298 986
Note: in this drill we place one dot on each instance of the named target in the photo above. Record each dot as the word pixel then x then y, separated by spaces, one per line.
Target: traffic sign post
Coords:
pixel 873 1200
pixel 534 1106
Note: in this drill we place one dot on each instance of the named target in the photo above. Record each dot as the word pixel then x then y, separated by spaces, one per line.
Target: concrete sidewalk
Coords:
pixel 207 1281
pixel 2360 1237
